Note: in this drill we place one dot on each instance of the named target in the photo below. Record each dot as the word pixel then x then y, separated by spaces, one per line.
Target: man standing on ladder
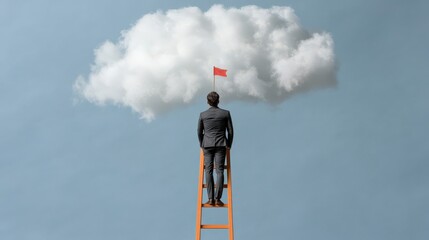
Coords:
pixel 212 127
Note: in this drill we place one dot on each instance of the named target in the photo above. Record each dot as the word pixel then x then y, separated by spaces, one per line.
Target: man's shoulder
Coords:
pixel 204 112
pixel 223 113
pixel 223 110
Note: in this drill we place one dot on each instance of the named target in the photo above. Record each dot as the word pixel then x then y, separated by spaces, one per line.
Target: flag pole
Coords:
pixel 214 80
pixel 214 83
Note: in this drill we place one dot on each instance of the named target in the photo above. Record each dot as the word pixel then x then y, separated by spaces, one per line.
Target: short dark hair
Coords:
pixel 213 99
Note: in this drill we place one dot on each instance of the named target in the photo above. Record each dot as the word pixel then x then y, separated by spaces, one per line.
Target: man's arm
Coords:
pixel 230 130
pixel 200 131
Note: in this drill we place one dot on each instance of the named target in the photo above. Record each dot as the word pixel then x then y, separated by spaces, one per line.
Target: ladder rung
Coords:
pixel 225 185
pixel 212 206
pixel 214 226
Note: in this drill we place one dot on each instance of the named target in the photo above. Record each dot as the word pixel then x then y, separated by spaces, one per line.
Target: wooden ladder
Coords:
pixel 201 205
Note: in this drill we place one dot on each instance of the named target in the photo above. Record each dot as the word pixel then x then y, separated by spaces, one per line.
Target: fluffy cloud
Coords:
pixel 166 59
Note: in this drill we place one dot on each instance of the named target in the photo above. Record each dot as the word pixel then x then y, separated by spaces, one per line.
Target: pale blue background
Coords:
pixel 349 162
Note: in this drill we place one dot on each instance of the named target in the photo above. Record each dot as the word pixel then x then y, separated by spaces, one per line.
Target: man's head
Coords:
pixel 213 99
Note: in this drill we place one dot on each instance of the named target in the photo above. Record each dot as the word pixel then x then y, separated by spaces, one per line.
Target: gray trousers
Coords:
pixel 214 155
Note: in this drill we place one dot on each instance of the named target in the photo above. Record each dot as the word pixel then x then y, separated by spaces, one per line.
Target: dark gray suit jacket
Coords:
pixel 212 125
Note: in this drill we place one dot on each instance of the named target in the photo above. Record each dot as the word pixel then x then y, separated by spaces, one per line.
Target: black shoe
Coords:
pixel 210 202
pixel 218 202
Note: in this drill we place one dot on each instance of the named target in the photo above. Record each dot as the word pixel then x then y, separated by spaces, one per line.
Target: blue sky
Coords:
pixel 346 162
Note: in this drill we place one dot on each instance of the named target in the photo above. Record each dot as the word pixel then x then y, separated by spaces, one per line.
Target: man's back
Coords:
pixel 212 126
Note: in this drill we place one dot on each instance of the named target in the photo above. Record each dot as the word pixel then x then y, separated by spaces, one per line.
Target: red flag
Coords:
pixel 219 71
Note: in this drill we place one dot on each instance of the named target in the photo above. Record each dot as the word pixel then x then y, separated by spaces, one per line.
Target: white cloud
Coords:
pixel 166 59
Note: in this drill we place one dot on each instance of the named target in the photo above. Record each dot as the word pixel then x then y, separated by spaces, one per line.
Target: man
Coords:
pixel 212 127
